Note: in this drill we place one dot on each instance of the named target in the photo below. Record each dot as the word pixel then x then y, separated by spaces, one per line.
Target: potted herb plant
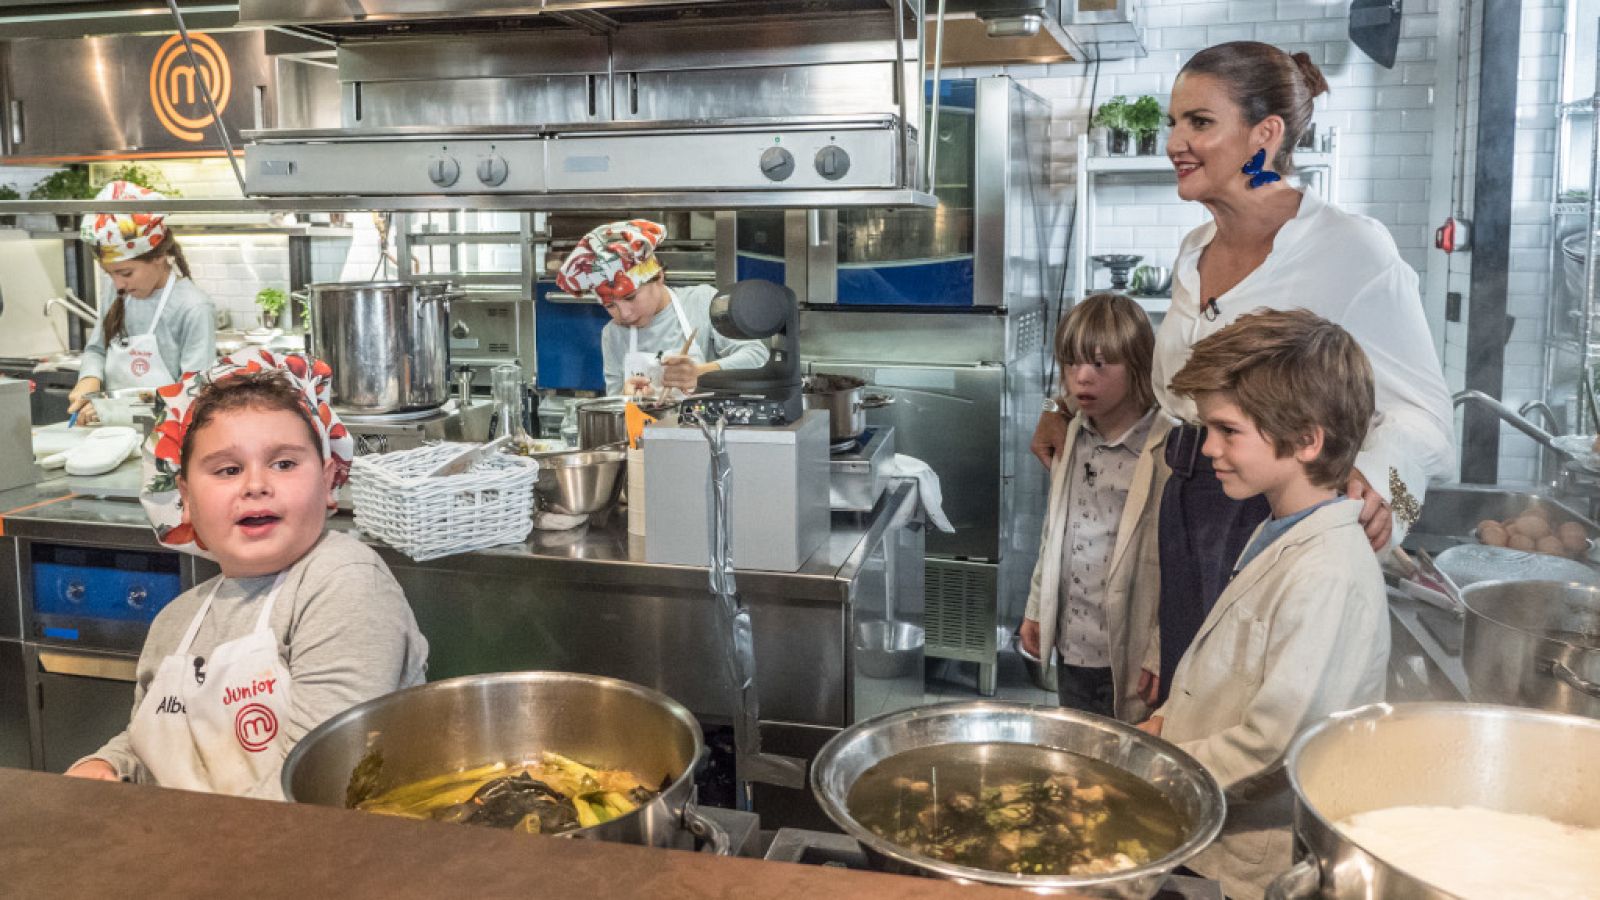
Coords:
pixel 71 183
pixel 1113 117
pixel 7 192
pixel 1144 121
pixel 272 302
pixel 149 179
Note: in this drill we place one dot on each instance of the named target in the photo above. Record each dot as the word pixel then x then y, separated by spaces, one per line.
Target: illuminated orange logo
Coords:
pixel 175 85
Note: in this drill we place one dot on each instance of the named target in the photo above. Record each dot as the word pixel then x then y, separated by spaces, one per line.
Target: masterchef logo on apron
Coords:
pixel 255 726
pixel 139 365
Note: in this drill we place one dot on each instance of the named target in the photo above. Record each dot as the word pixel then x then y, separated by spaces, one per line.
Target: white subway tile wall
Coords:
pixel 232 268
pixel 1387 140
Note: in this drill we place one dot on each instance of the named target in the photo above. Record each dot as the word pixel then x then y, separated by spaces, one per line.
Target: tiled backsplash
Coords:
pixel 1387 144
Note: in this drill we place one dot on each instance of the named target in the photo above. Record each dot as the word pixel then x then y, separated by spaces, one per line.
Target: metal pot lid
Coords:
pixel 1472 563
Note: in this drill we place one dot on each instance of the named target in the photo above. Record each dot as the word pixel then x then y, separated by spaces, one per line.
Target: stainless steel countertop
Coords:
pixel 606 555
pixel 1445 678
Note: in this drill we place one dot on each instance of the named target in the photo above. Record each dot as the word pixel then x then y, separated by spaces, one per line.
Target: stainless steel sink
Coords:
pixel 1451 511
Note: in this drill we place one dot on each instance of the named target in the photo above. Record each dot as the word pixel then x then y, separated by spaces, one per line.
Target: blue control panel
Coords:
pixel 88 594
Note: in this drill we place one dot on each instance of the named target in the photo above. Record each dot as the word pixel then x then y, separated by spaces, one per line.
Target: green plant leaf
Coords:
pixel 1144 116
pixel 271 300
pixel 1113 113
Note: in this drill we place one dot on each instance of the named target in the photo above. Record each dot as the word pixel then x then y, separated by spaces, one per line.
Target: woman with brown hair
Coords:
pixel 159 324
pixel 1236 111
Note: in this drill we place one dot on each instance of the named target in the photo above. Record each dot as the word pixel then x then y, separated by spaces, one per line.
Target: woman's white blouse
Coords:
pixel 1344 268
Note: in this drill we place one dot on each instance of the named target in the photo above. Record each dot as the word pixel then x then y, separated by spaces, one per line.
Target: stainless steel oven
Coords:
pixel 84 613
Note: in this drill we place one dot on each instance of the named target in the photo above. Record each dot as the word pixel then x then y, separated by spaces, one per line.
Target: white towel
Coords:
pixel 545 520
pixel 903 466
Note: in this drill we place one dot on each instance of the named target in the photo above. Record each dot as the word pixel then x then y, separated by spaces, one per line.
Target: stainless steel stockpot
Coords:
pixel 1533 643
pixel 388 343
pixel 453 725
pixel 846 400
pixel 1192 790
pixel 1427 754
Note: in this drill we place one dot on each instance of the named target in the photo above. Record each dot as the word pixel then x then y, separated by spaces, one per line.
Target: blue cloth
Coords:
pixel 1272 529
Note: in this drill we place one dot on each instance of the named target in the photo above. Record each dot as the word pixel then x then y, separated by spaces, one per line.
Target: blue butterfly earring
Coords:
pixel 1256 169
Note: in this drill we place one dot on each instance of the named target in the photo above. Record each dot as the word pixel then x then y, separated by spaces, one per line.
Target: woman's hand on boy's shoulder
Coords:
pixel 1049 437
pixel 1376 519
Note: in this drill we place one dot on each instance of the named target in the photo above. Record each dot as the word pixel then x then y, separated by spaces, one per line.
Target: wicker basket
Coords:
pixel 425 518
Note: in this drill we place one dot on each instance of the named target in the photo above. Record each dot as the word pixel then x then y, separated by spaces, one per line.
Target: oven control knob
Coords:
pixel 777 163
pixel 443 171
pixel 137 596
pixel 76 591
pixel 492 170
pixel 833 162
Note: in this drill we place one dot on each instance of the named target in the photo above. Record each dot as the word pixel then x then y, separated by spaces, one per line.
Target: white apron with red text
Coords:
pixel 216 723
pixel 640 366
pixel 134 361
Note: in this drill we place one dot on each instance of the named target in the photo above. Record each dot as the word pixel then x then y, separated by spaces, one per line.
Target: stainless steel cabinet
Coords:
pixel 82 700
pixel 16 747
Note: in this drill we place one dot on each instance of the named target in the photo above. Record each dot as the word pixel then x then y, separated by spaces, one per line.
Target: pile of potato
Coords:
pixel 1534 532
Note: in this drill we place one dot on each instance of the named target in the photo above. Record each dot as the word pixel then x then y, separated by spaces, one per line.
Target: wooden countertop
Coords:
pixel 62 837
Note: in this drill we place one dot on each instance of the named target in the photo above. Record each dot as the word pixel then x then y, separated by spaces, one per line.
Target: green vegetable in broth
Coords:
pixel 549 796
pixel 1016 808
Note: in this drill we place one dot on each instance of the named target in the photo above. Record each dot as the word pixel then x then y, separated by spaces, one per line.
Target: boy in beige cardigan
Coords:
pixel 1095 587
pixel 1302 629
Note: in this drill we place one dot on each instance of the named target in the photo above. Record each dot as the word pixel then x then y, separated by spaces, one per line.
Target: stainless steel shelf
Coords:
pixel 695 200
pixel 436 238
pixel 1159 164
pixel 200 229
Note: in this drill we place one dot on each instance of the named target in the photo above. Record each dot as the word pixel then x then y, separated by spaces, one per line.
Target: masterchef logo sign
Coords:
pixel 177 82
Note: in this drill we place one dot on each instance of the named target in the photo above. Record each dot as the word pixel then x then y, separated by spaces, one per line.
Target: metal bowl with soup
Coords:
pixel 1051 800
pixel 517 749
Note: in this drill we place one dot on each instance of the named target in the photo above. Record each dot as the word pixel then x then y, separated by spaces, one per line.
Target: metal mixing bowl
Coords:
pixel 1184 782
pixel 453 725
pixel 1151 280
pixel 579 483
pixel 1428 754
pixel 888 649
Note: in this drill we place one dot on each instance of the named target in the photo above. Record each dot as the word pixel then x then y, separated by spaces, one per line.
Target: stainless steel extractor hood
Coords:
pixel 712 104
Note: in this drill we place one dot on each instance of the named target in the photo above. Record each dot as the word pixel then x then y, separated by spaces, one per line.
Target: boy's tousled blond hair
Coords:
pixel 1291 372
pixel 1112 328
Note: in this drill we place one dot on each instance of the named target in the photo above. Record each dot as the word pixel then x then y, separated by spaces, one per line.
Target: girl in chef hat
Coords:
pixel 303 622
pixel 159 325
pixel 642 347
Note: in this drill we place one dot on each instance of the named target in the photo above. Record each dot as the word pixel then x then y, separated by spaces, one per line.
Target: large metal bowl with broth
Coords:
pixel 463 723
pixel 963 731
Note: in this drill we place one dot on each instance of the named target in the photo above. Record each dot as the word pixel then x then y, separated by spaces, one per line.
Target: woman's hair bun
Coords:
pixel 1315 82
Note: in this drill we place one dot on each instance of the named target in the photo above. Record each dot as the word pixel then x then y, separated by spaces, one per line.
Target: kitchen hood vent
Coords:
pixel 21 19
pixel 714 104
